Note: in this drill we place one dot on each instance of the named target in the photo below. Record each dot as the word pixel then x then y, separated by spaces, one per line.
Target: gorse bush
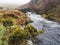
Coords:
pixel 21 34
pixel 18 35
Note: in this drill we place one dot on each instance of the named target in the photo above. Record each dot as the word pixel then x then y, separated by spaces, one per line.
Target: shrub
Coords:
pixel 19 34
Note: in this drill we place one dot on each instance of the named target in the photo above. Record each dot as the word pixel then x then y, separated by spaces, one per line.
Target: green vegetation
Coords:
pixel 11 32
pixel 7 22
pixel 18 35
pixel 50 15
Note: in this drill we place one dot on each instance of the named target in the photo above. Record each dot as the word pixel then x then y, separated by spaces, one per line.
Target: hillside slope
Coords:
pixel 43 7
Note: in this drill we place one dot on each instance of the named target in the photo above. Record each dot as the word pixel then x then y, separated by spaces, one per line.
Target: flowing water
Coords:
pixel 51 36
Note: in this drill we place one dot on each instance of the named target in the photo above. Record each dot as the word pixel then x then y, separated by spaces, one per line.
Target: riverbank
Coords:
pixel 51 17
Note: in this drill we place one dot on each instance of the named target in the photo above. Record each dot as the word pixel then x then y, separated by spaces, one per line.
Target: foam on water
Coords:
pixel 52 30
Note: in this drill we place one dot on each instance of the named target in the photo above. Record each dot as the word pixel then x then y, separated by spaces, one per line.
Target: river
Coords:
pixel 51 36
